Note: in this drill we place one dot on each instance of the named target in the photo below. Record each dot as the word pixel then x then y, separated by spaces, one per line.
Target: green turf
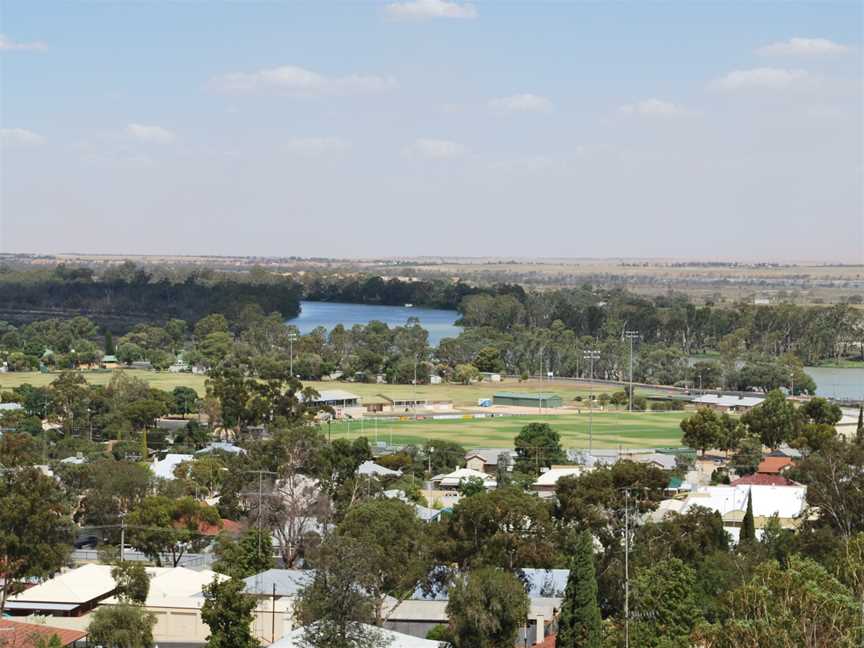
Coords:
pixel 461 395
pixel 609 430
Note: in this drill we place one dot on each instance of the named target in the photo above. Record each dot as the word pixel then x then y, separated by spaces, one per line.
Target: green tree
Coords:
pixel 486 608
pixel 109 342
pixel 538 445
pixel 133 581
pixel 35 528
pixel 579 624
pixel 748 528
pixel 163 525
pixel 121 626
pixel 251 554
pixel 664 605
pixel 775 420
pixel 336 607
pixel 229 614
pixel 746 460
pixel 465 374
pixel 820 410
pixel 703 430
pixel 471 486
pixel 489 359
pixel 394 539
pixel 801 605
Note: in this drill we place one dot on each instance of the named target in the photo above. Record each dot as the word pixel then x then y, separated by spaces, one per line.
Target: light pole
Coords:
pixel 591 355
pixel 631 335
pixel 627 568
pixel 291 338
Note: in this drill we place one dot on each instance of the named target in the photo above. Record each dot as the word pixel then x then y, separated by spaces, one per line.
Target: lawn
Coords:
pixel 461 395
pixel 609 430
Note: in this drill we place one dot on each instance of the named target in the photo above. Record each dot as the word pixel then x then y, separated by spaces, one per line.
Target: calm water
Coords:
pixel 439 323
pixel 838 383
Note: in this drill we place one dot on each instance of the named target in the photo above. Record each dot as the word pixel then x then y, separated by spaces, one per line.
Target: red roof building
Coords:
pixel 774 465
pixel 26 635
pixel 763 479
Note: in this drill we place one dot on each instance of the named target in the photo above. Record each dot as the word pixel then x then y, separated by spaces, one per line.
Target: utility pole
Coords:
pixel 591 355
pixel 260 474
pixel 631 335
pixel 122 536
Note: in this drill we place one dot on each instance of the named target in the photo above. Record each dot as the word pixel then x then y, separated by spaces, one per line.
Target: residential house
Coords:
pixel 485 460
pixel 774 465
pixel 296 639
pixel 547 482
pixel 18 634
pixel 371 469
pixel 164 468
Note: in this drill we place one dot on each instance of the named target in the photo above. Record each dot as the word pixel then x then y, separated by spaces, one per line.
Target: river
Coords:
pixel 846 384
pixel 439 323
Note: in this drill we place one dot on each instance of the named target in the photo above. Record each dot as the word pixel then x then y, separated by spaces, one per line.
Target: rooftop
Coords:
pixel 288 582
pixel 723 400
pixel 773 465
pixel 26 635
pixel 528 395
pixel 757 479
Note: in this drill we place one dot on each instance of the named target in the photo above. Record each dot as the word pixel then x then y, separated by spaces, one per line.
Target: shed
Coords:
pixel 527 399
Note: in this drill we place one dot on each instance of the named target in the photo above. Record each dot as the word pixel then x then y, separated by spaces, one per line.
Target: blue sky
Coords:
pixel 673 129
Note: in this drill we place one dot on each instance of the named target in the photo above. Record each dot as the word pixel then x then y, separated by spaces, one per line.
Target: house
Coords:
pixel 789 503
pixel 723 403
pixel 485 460
pixel 110 361
pixel 762 479
pixel 594 458
pixel 164 468
pixel 525 399
pixel 72 593
pixel 424 610
pixel 547 482
pixel 176 596
pixel 17 634
pixel 774 465
pixel 452 481
pixel 660 460
pixel 10 407
pixel 371 469
pixel 221 446
pixel 296 639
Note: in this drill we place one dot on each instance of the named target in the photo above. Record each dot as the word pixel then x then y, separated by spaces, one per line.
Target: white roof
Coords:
pixel 464 474
pixel 785 501
pixel 165 467
pixel 294 639
pixel 10 407
pixel 551 476
pixel 78 586
pixel 327 395
pixel 728 401
pixel 176 587
pixel 372 469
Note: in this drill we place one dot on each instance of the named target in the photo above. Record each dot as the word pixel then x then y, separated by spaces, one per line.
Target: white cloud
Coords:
pixel 803 47
pixel 653 108
pixel 291 79
pixel 9 45
pixel 155 134
pixel 20 136
pixel 437 149
pixel 521 103
pixel 428 9
pixel 759 78
pixel 315 146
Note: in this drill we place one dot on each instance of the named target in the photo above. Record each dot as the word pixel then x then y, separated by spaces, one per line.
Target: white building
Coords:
pixel 547 482
pixel 164 468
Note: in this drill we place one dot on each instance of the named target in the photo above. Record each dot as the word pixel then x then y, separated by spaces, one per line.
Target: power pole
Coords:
pixel 631 335
pixel 122 537
pixel 260 494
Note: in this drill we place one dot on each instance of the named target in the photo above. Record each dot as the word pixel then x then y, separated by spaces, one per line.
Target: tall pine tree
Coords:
pixel 109 343
pixel 579 622
pixel 748 527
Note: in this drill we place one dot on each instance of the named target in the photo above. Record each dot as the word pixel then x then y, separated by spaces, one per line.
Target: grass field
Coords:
pixel 609 430
pixel 461 395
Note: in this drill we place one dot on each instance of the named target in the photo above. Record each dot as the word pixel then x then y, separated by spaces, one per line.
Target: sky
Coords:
pixel 507 128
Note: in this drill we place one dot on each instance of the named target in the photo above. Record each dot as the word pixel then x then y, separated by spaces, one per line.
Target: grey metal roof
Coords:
pixel 288 582
pixel 539 583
